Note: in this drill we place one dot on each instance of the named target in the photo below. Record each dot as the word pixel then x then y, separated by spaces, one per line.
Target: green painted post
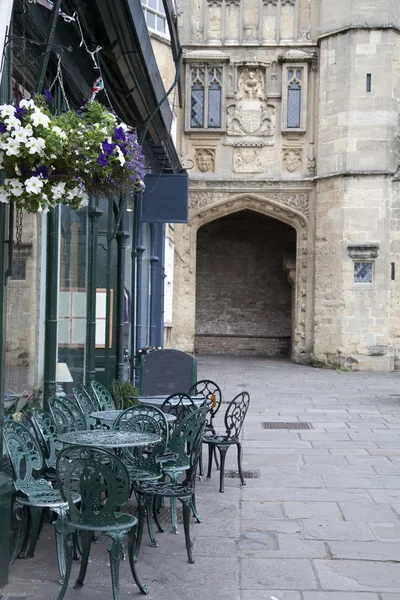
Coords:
pixel 94 215
pixel 122 236
pixel 6 484
pixel 132 350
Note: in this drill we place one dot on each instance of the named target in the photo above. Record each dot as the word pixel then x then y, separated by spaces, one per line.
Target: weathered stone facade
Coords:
pixel 307 134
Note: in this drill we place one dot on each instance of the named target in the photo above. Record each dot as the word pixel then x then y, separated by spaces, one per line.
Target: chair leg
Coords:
pixel 216 461
pixel 222 452
pixel 149 517
pixel 239 459
pixel 86 541
pixel 201 470
pixel 17 517
pixel 22 552
pixel 141 517
pixel 174 517
pixel 131 554
pixel 210 458
pixel 155 514
pixel 36 516
pixel 59 528
pixel 194 510
pixel 68 545
pixel 116 552
pixel 186 507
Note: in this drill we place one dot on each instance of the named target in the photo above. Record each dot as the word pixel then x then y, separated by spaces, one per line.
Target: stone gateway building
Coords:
pixel 291 129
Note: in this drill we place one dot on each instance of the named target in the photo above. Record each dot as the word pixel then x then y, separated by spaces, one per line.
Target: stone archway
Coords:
pixel 291 208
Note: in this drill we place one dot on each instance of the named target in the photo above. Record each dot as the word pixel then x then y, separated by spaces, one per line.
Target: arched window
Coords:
pixel 205 97
pixel 294 98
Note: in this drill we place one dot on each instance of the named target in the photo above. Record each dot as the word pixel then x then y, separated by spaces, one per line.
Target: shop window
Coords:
pixel 205 97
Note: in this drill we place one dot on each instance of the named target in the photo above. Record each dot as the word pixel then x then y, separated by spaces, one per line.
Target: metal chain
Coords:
pixel 59 78
pixel 18 224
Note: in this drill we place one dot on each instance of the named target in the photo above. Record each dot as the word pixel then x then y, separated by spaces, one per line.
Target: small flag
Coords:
pixel 48 4
pixel 98 85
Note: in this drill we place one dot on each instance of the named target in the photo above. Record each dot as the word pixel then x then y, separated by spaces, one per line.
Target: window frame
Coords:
pixel 207 66
pixel 295 66
pixel 364 261
pixel 157 13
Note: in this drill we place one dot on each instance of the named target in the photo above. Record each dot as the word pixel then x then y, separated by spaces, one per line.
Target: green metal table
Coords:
pixel 106 438
pixel 107 417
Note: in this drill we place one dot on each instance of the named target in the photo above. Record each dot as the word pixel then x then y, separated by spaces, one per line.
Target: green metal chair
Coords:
pixel 234 419
pixel 190 434
pixel 67 414
pixel 103 396
pixel 33 491
pixel 87 403
pixel 179 405
pixel 144 466
pixel 47 436
pixel 212 392
pixel 102 480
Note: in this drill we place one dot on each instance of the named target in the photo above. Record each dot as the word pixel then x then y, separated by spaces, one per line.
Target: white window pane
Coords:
pixel 160 24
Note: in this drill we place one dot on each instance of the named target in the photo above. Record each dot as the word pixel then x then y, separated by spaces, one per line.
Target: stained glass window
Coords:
pixel 363 272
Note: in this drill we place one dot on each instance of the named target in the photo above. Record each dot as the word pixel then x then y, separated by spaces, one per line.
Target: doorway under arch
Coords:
pixel 244 297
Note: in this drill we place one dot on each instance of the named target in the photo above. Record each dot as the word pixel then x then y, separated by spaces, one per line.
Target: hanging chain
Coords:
pixel 18 225
pixel 59 78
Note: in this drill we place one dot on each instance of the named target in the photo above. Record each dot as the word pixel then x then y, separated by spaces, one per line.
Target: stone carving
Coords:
pixel 205 159
pixel 291 2
pixel 292 159
pixel 214 17
pixel 304 35
pixel 251 85
pixel 366 251
pixel 252 118
pixel 197 14
pixel 247 160
pixel 296 201
pixel 232 18
pixel 273 2
pixel 311 162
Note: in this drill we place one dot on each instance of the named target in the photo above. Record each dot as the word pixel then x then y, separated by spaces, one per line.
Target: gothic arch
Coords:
pixel 294 213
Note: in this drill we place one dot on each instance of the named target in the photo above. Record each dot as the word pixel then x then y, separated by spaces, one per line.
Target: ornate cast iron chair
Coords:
pixel 179 405
pixel 47 434
pixel 144 466
pixel 67 414
pixel 103 396
pixel 233 420
pixel 102 480
pixel 87 403
pixel 190 433
pixel 210 390
pixel 33 492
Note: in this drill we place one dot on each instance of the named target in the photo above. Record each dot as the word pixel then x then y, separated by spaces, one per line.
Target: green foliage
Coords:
pixel 124 393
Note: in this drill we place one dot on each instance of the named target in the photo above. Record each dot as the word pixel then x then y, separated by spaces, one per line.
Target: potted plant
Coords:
pixel 124 393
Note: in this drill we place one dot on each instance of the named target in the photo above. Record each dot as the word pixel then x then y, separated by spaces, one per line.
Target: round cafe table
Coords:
pixel 159 400
pixel 106 438
pixel 108 417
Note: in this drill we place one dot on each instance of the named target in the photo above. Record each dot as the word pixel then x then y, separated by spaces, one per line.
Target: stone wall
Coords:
pixel 242 290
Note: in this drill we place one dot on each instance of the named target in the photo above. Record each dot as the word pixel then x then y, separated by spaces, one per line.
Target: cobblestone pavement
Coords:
pixel 320 522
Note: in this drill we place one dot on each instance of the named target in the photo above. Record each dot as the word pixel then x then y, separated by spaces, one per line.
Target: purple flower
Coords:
pixel 123 149
pixel 20 112
pixel 42 172
pixel 107 147
pixel 48 95
pixel 102 160
pixel 3 128
pixel 119 134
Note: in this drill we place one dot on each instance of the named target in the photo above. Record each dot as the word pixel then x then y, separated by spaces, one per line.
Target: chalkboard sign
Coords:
pixel 165 372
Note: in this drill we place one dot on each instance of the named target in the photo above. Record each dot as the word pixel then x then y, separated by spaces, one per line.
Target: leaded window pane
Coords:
pixel 294 105
pixel 197 106
pixel 363 272
pixel 298 74
pixel 214 105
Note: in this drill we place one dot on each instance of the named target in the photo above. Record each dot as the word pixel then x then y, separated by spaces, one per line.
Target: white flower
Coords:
pixel 124 126
pixel 4 196
pixel 39 118
pixel 58 190
pixel 35 145
pixel 40 210
pixel 120 156
pixel 58 131
pixel 17 189
pixel 12 122
pixel 33 185
pixel 27 104
pixel 84 199
pixel 22 134
pixel 142 185
pixel 71 194
pixel 11 147
pixel 6 110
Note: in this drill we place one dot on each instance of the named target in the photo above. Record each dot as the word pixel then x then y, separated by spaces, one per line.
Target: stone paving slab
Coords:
pixel 320 522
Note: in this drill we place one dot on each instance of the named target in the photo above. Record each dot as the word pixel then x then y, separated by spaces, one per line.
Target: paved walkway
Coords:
pixel 321 522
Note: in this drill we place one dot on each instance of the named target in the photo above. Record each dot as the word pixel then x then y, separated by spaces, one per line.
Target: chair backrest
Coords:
pixel 235 415
pixel 103 396
pixel 144 418
pixel 100 478
pixel 187 440
pixel 67 414
pixel 47 434
pixel 166 372
pixel 25 457
pixel 179 405
pixel 87 403
pixel 209 389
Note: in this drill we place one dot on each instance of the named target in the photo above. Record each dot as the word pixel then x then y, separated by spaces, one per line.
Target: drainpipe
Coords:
pixel 132 349
pixel 122 236
pixel 94 215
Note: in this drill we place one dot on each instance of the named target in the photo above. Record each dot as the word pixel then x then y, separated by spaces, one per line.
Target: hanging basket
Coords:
pixel 50 160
